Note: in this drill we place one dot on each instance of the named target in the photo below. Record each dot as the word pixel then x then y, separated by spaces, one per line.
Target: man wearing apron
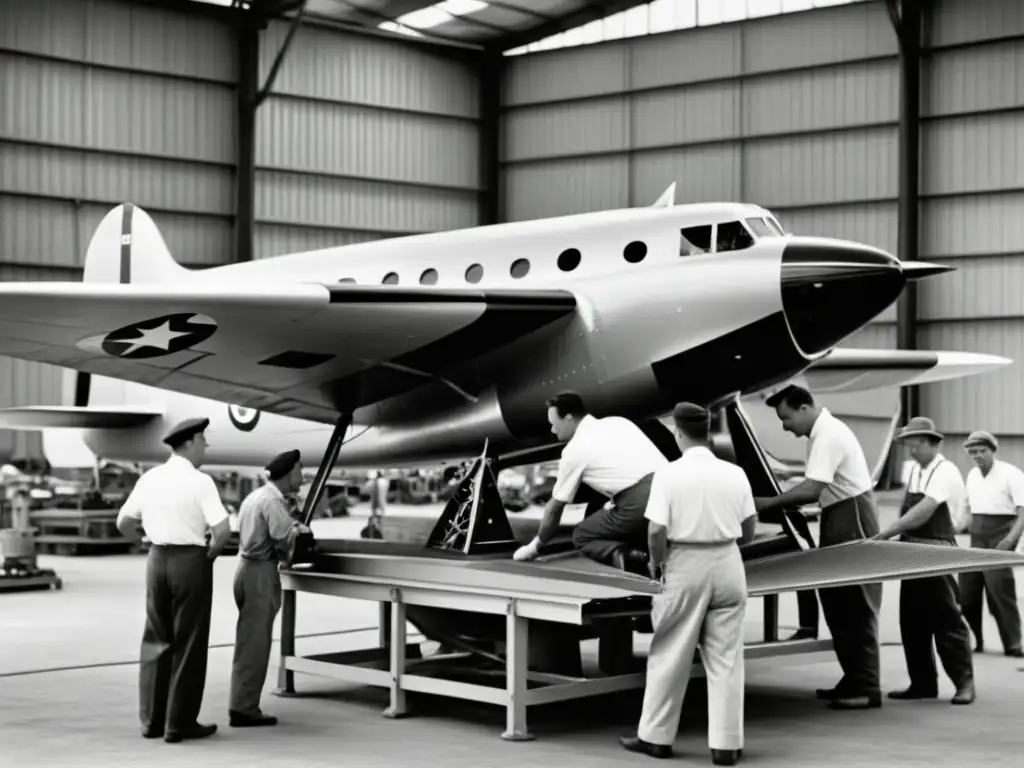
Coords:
pixel 995 509
pixel 930 607
pixel 613 457
pixel 266 534
pixel 837 477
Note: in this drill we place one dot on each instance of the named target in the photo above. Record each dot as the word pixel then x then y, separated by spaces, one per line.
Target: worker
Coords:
pixel 266 537
pixel 187 526
pixel 699 507
pixel 837 477
pixel 995 511
pixel 930 607
pixel 613 457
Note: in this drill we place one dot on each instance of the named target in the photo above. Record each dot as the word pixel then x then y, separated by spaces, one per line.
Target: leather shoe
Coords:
pixel 197 731
pixel 636 744
pixel 726 756
pixel 240 720
pixel 913 693
pixel 1016 653
pixel 828 694
pixel 964 695
pixel 152 733
pixel 856 702
pixel 631 561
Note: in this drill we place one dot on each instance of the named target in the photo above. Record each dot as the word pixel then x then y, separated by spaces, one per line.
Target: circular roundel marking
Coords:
pixel 159 336
pixel 569 259
pixel 474 273
pixel 635 252
pixel 429 277
pixel 520 268
pixel 243 418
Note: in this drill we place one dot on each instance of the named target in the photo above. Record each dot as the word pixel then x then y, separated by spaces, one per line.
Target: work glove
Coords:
pixel 528 551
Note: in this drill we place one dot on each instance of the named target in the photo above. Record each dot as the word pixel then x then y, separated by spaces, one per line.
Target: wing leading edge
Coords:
pixel 302 350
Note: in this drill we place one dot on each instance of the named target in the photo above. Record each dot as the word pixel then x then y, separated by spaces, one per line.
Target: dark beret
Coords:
pixel 690 413
pixel 282 464
pixel 185 430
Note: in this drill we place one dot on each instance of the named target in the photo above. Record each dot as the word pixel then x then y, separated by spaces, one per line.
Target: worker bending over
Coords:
pixel 266 536
pixel 178 505
pixel 930 607
pixel 614 457
pixel 837 477
pixel 699 507
pixel 995 509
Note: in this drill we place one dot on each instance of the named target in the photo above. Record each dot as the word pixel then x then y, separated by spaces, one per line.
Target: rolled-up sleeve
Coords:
pixel 132 506
pixel 824 459
pixel 209 500
pixel 279 522
pixel 570 475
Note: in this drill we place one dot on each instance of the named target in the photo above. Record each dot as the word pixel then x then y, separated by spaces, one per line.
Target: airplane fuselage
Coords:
pixel 670 305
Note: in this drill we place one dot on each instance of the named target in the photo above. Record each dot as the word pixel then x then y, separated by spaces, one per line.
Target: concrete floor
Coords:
pixel 68 695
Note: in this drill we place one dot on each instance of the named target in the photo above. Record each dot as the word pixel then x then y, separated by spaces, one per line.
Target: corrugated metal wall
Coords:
pixel 103 102
pixel 363 138
pixel 797 112
pixel 972 177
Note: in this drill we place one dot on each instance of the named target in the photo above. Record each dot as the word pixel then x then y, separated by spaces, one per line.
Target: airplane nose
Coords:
pixel 831 288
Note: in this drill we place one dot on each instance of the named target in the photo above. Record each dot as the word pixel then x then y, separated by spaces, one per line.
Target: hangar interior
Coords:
pixel 254 129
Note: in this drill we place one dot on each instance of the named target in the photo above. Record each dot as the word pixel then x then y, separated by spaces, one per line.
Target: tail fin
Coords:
pixel 127 248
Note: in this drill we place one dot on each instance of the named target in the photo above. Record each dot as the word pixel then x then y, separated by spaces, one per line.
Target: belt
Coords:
pixel 179 546
pixel 252 559
pixel 720 543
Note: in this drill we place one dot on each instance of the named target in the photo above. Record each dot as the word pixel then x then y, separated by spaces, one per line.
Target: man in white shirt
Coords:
pixel 699 507
pixel 837 477
pixel 930 608
pixel 178 505
pixel 614 458
pixel 995 509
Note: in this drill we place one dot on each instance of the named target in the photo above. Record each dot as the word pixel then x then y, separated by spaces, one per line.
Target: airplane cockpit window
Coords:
pixel 733 236
pixel 695 240
pixel 775 225
pixel 760 228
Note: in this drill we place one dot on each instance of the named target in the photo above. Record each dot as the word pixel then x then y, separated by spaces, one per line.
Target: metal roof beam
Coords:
pixel 592 11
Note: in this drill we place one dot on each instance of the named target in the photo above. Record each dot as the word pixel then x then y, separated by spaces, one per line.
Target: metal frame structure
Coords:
pixel 397 583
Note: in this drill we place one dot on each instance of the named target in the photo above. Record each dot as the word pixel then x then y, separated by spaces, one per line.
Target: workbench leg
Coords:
pixel 384 624
pixel 517 638
pixel 397 654
pixel 771 618
pixel 286 677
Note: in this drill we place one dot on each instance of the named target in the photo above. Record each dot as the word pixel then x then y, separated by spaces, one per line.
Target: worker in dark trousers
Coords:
pixel 614 457
pixel 995 511
pixel 837 477
pixel 266 534
pixel 930 607
pixel 187 526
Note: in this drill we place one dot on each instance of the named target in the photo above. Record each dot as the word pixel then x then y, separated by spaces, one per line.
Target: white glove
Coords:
pixel 528 551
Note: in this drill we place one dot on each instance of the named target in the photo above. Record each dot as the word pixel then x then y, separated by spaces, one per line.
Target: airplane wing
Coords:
pixel 302 350
pixel 865 562
pixel 76 417
pixel 856 370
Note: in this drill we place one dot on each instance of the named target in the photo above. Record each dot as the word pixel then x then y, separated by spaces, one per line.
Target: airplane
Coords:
pixel 418 350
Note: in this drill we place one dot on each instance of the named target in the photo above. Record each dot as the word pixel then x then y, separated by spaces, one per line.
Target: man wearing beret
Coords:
pixel 178 506
pixel 699 508
pixel 614 458
pixel 837 477
pixel 995 511
pixel 930 607
pixel 266 534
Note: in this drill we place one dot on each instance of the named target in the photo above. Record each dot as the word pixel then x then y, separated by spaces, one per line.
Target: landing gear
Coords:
pixel 796 534
pixel 305 544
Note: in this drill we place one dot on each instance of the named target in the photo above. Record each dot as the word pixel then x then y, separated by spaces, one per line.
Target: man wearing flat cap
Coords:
pixel 178 506
pixel 837 477
pixel 995 511
pixel 930 607
pixel 699 508
pixel 613 457
pixel 266 535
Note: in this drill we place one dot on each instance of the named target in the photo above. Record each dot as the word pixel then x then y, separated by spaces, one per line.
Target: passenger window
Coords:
pixel 569 259
pixel 695 240
pixel 520 267
pixel 347 280
pixel 475 273
pixel 759 228
pixel 391 278
pixel 635 252
pixel 733 236
pixel 429 277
